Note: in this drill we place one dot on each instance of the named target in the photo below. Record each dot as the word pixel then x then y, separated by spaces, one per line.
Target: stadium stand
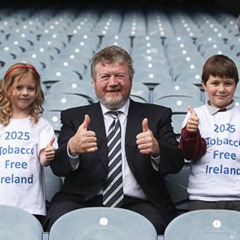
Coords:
pixel 168 40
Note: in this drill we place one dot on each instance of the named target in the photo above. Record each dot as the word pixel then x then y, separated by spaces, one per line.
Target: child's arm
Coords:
pixel 192 145
pixel 47 154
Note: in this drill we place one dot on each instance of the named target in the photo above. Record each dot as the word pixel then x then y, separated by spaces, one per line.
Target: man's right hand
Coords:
pixel 84 140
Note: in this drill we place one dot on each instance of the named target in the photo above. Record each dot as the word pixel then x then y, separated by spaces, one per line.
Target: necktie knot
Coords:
pixel 114 114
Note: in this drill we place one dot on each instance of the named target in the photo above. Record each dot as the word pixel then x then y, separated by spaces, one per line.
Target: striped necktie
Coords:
pixel 113 188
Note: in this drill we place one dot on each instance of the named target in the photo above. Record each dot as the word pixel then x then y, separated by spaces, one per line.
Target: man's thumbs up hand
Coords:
pixel 84 140
pixel 147 143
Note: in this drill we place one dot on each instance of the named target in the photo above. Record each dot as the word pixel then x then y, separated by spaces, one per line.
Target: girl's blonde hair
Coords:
pixel 13 74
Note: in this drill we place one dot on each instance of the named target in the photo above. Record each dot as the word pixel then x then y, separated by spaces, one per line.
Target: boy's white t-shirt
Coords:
pixel 22 182
pixel 216 176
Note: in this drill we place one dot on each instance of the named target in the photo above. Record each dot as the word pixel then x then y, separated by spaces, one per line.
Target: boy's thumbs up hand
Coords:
pixel 193 121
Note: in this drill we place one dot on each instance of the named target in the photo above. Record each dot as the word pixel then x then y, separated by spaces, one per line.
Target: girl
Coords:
pixel 27 141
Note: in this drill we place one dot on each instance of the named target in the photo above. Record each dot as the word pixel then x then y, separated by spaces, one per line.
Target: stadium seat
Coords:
pixel 184 89
pixel 179 104
pixel 35 62
pixel 16 224
pixel 5 57
pixel 59 102
pixel 78 87
pixel 54 118
pixel 36 54
pixel 140 92
pixel 102 223
pixel 210 224
pixel 151 79
pixel 84 38
pixel 53 184
pixel 177 120
pixel 13 49
pixel 191 76
pixel 177 187
pixel 53 74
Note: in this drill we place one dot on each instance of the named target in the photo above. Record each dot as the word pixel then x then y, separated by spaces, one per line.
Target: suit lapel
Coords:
pixel 134 127
pixel 97 125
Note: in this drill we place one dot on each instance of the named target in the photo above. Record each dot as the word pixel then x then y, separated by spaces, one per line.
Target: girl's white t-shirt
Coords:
pixel 22 182
pixel 216 176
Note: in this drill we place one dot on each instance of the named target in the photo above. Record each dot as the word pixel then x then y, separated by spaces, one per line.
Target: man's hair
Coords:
pixel 112 54
pixel 220 65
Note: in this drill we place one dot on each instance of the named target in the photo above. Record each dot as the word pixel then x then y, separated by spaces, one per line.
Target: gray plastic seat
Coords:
pixel 177 187
pixel 97 223
pixel 59 102
pixel 177 120
pixel 54 118
pixel 176 89
pixel 16 224
pixel 53 183
pixel 77 87
pixel 140 92
pixel 210 224
pixel 179 104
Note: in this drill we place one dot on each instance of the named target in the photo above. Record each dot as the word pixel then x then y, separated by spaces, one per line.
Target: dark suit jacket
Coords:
pixel 87 180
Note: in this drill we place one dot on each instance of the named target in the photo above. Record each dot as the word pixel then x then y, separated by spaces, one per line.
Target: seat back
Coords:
pixel 179 104
pixel 53 183
pixel 140 92
pixel 176 89
pixel 61 101
pixel 16 224
pixel 97 223
pixel 54 118
pixel 211 224
pixel 77 87
pixel 177 187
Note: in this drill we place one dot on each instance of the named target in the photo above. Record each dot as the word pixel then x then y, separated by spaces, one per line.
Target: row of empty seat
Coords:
pixel 61 43
pixel 116 223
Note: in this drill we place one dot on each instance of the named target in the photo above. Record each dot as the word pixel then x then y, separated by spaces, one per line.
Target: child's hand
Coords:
pixel 49 150
pixel 193 121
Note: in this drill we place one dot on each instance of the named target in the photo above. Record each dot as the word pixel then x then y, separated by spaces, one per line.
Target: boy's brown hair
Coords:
pixel 220 65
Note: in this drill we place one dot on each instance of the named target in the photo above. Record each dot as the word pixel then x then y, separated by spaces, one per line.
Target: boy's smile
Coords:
pixel 220 91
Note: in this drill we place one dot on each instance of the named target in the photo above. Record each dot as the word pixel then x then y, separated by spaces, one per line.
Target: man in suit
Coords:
pixel 149 149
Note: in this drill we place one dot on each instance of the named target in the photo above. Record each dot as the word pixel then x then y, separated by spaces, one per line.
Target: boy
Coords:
pixel 210 138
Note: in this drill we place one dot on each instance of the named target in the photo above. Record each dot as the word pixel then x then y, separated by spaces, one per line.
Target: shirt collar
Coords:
pixel 213 110
pixel 123 109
